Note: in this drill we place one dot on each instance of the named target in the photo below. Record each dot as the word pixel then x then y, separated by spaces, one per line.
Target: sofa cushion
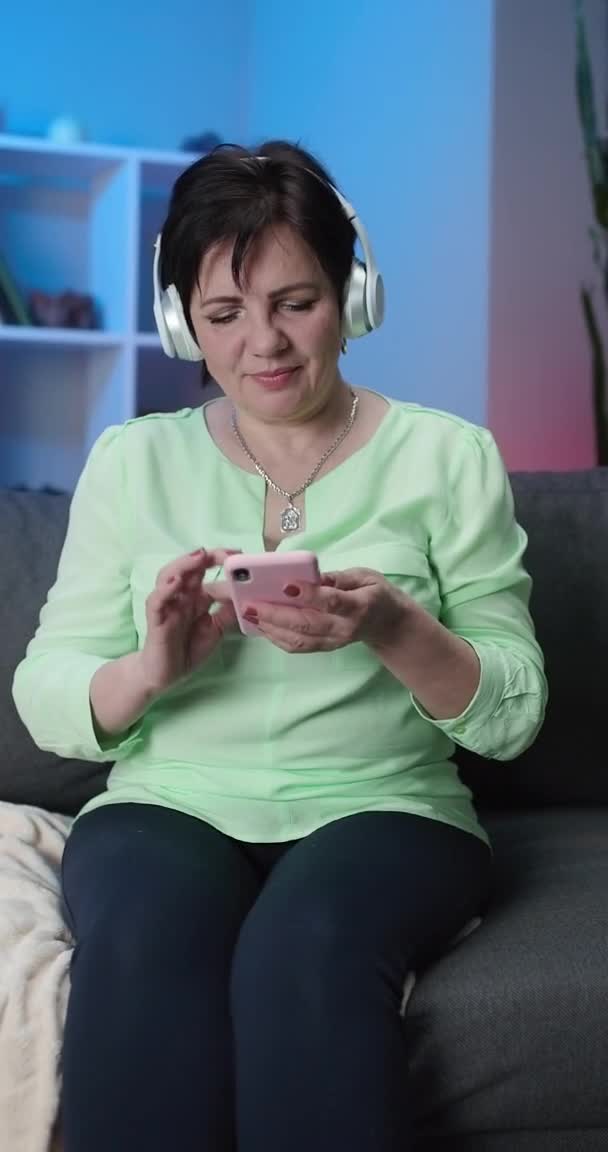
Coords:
pixel 510 1028
pixel 566 517
pixel 32 530
pixel 513 1140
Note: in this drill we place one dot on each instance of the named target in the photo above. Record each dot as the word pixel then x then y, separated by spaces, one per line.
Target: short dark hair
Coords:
pixel 231 194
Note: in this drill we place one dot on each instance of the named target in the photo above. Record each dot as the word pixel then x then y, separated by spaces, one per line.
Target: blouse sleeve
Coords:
pixel 477 553
pixel 87 618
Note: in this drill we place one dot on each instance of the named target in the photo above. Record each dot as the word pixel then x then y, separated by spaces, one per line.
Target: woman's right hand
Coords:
pixel 181 631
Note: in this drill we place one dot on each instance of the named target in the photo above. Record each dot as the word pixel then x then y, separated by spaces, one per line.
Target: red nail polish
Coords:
pixel 251 615
pixel 292 590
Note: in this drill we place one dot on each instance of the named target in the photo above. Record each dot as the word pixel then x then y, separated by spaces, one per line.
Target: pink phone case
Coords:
pixel 268 573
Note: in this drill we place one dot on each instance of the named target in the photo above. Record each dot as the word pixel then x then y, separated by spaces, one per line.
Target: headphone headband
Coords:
pixel 363 308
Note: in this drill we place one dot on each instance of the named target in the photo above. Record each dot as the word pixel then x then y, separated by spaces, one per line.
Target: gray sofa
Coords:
pixel 507 1032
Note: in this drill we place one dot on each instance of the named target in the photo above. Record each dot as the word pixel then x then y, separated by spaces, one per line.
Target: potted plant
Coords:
pixel 596 155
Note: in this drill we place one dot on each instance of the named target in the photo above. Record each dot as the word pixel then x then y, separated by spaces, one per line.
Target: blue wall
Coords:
pixel 396 98
pixel 135 72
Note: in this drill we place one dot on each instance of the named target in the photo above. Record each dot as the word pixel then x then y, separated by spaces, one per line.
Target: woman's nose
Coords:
pixel 265 338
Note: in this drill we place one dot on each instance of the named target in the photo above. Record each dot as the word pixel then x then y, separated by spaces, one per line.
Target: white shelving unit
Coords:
pixel 82 218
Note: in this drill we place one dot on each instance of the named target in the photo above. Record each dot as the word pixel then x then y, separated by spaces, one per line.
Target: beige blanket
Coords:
pixel 35 952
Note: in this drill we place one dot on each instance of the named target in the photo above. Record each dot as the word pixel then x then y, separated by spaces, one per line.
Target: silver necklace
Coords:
pixel 290 516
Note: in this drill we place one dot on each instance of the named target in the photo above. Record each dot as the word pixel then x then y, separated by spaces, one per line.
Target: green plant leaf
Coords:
pixel 594 149
pixel 598 369
pixel 600 204
pixel 584 81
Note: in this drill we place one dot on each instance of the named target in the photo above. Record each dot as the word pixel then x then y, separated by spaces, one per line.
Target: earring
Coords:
pixel 344 345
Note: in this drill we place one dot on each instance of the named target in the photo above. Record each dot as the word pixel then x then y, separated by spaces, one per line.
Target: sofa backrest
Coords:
pixel 566 517
pixel 32 530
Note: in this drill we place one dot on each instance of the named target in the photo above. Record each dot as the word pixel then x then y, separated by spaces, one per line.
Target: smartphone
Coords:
pixel 262 576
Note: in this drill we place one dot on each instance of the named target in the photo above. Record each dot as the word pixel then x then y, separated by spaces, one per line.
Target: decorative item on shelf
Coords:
pixel 596 156
pixel 65 130
pixel 13 308
pixel 67 310
pixel 201 144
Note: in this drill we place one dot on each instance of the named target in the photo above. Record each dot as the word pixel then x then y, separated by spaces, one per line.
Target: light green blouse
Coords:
pixel 264 745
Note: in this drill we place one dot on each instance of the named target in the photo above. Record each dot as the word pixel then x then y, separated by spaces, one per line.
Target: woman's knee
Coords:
pixel 123 945
pixel 296 954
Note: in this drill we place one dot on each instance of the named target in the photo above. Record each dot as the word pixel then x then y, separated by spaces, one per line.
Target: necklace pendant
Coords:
pixel 290 519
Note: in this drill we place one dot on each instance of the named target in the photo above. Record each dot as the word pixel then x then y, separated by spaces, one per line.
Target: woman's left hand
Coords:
pixel 355 605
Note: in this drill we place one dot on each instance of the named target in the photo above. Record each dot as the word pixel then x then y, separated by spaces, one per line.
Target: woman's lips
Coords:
pixel 274 380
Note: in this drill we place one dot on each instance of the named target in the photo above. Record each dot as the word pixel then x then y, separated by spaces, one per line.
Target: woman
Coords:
pixel 284 836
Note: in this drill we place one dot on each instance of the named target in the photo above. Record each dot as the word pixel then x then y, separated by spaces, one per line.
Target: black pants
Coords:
pixel 235 996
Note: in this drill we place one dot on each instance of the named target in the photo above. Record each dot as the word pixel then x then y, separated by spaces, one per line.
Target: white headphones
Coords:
pixel 363 309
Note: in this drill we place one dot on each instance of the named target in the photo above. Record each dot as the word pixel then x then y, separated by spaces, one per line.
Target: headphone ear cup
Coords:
pixel 161 325
pixel 354 314
pixel 173 315
pixel 374 299
pixel 175 336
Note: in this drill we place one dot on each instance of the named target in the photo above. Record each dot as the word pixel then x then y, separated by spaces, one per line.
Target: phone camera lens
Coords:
pixel 241 574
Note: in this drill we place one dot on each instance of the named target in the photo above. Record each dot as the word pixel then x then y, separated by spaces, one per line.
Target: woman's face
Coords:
pixel 273 346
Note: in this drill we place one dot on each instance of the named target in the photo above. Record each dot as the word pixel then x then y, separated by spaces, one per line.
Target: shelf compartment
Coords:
pixel 56 400
pixel 166 385
pixel 64 217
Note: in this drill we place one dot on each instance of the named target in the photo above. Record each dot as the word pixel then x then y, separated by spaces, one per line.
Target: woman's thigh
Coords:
pixel 390 885
pixel 154 869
